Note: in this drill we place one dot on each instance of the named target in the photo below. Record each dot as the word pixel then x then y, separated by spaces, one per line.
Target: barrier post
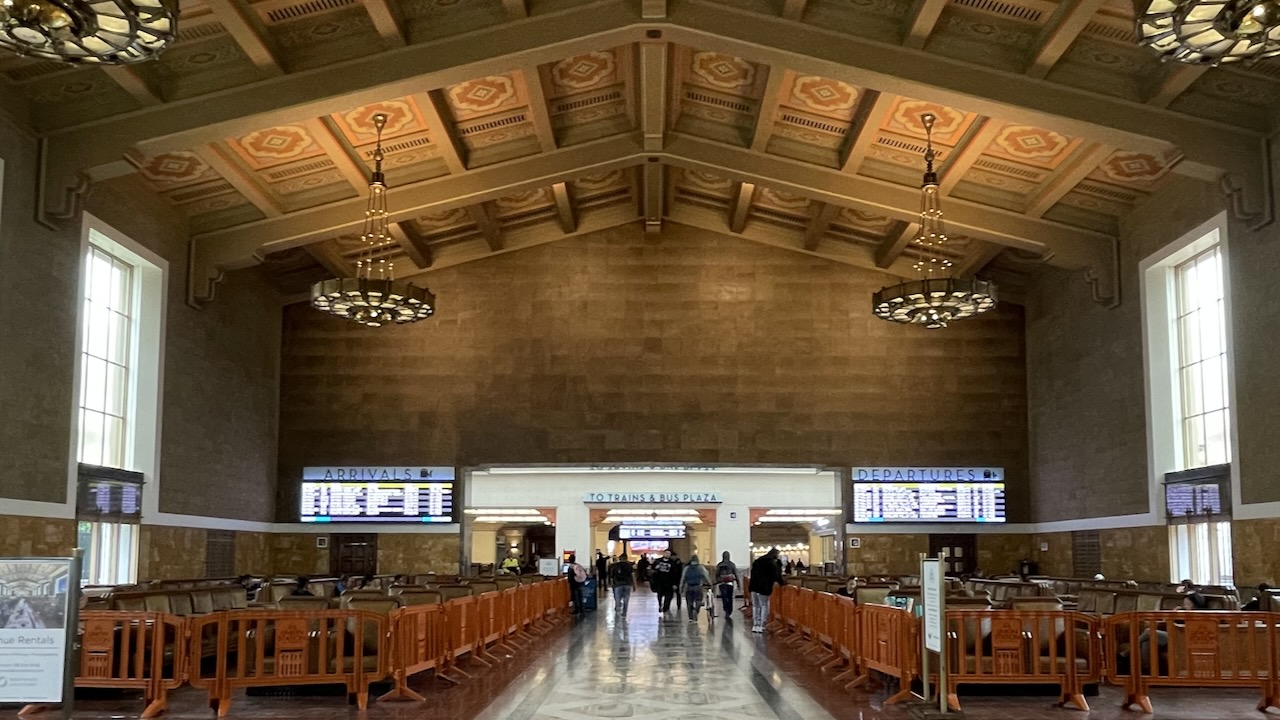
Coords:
pixel 924 651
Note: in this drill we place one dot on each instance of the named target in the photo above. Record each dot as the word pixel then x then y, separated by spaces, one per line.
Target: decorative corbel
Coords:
pixel 1238 195
pixel 202 279
pixel 1104 283
pixel 67 199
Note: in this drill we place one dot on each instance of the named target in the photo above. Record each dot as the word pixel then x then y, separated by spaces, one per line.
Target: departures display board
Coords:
pixel 378 494
pixel 956 499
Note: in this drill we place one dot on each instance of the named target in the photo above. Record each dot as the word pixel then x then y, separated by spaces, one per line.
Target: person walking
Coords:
pixel 642 569
pixel 765 573
pixel 602 570
pixel 677 571
pixel 726 582
pixel 577 576
pixel 664 581
pixel 622 576
pixel 692 580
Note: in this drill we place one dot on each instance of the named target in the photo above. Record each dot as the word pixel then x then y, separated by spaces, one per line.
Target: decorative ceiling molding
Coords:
pixel 1057 36
pixel 249 32
pixel 744 194
pixel 924 16
pixel 386 19
pixel 565 213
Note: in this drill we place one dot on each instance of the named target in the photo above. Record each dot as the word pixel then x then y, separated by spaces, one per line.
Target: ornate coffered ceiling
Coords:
pixel 517 122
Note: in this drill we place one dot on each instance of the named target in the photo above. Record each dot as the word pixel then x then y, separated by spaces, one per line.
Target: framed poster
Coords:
pixel 548 567
pixel 931 592
pixel 34 616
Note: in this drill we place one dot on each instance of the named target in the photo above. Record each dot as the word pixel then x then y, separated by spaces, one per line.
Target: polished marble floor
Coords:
pixel 652 667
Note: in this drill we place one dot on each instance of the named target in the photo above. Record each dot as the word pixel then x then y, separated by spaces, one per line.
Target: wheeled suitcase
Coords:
pixel 589 594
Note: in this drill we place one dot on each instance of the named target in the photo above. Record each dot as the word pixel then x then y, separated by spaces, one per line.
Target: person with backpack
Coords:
pixel 664 581
pixel 726 582
pixel 622 576
pixel 577 576
pixel 692 580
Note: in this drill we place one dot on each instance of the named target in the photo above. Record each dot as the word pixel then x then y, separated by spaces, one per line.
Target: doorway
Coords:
pixel 961 552
pixel 354 554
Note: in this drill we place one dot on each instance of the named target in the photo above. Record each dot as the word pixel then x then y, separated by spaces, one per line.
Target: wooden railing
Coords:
pixel 227 650
pixel 1036 647
pixel 1194 649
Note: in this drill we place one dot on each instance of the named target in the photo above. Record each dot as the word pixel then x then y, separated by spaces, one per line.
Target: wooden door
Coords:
pixel 353 554
pixel 961 551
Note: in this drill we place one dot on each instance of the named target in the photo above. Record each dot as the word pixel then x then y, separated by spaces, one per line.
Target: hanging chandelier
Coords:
pixel 1210 32
pixel 105 32
pixel 373 297
pixel 936 298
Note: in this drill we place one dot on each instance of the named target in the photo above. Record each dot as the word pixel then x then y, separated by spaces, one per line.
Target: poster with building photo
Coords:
pixel 34 595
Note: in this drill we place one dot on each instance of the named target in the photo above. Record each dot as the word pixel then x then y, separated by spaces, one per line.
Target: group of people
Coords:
pixel 686 583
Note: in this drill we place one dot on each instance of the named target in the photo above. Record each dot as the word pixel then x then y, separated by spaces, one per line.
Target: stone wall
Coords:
pixel 615 348
pixel 36 537
pixel 1254 543
pixel 297 554
pixel 253 553
pixel 413 553
pixel 166 552
pixel 887 554
pixel 220 362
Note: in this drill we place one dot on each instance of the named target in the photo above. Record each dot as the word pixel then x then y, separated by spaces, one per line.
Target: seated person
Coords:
pixel 1259 601
pixel 1190 602
pixel 300 588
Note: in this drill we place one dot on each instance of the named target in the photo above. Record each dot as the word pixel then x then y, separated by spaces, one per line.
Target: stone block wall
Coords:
pixel 36 537
pixel 614 348
pixel 412 553
pixel 166 552
pixel 297 554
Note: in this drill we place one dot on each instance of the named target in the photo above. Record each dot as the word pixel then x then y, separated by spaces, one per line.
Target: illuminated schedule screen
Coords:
pixel 404 495
pixel 928 502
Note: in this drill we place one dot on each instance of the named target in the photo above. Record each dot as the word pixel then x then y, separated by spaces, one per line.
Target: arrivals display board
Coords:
pixel 928 495
pixel 377 494
pixel 1191 499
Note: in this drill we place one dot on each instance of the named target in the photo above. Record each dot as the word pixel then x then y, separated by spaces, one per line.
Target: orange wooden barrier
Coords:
pixel 145 651
pixel 1023 646
pixel 1206 648
pixel 889 642
pixel 419 642
pixel 265 648
pixel 462 620
pixel 845 637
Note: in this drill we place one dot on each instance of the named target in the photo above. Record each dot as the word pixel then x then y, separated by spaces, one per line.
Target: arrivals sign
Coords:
pixel 34 609
pixel 651 498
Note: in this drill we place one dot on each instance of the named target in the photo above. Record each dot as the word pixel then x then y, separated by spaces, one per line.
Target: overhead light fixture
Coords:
pixel 936 298
pixel 102 32
pixel 803 511
pixel 1209 32
pixel 502 511
pixel 373 297
pixel 511 519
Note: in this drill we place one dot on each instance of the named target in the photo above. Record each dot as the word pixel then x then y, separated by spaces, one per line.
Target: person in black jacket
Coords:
pixel 664 580
pixel 765 573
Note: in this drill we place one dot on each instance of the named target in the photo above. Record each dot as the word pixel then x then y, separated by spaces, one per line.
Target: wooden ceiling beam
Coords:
pixel 1073 247
pixel 435 112
pixel 328 137
pixel 823 214
pixel 794 9
pixel 967 152
pixel 1057 36
pixel 977 259
pixel 221 160
pixel 250 33
pixel 1210 146
pixel 539 113
pixel 566 214
pixel 412 243
pixel 653 94
pixel 482 215
pixel 329 255
pixel 653 194
pixel 872 111
pixel 743 194
pixel 1180 77
pixel 127 77
pixel 891 247
pixel 924 17
pixel 768 109
pixel 1074 170
pixel 387 21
